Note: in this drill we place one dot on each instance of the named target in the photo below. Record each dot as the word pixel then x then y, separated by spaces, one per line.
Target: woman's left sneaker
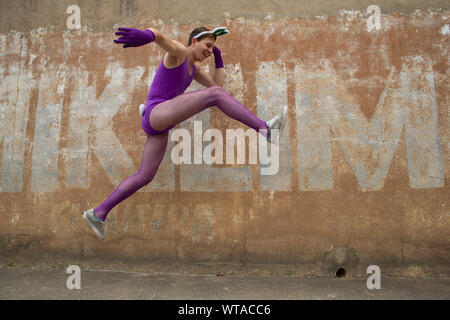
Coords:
pixel 96 224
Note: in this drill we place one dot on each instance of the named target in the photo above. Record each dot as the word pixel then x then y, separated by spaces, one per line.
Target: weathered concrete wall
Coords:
pixel 364 169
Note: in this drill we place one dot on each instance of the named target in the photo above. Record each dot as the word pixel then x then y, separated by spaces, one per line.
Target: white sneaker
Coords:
pixel 276 126
pixel 97 225
pixel 142 109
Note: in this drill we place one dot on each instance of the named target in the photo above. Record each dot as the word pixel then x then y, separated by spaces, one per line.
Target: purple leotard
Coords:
pixel 167 84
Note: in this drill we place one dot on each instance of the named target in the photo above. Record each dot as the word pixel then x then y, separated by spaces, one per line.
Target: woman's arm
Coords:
pixel 131 37
pixel 219 76
pixel 173 47
pixel 204 78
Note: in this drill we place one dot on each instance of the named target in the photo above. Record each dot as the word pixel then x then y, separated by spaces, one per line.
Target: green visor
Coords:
pixel 220 31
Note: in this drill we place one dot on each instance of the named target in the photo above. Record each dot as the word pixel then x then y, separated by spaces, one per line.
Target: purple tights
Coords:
pixel 169 113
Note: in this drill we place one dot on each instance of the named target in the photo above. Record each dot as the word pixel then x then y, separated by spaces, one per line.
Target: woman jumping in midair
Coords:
pixel 167 105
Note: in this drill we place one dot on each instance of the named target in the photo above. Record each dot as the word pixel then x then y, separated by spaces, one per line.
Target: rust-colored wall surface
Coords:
pixel 363 171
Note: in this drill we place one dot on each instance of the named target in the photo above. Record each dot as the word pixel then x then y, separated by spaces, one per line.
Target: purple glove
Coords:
pixel 134 37
pixel 217 57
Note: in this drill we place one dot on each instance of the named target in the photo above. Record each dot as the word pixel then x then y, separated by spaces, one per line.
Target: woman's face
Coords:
pixel 203 48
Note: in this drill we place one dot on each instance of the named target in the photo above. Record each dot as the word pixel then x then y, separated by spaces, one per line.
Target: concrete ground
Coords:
pixel 17 283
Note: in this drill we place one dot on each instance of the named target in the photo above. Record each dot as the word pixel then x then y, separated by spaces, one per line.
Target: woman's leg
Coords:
pixel 154 150
pixel 184 106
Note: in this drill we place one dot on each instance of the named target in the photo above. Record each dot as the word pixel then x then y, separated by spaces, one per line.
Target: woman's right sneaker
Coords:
pixel 96 224
pixel 141 109
pixel 277 123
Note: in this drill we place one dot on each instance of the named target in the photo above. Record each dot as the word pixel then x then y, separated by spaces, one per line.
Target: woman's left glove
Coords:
pixel 217 57
pixel 134 37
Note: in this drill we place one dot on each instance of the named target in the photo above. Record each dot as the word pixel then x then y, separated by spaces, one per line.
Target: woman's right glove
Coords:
pixel 134 37
pixel 217 57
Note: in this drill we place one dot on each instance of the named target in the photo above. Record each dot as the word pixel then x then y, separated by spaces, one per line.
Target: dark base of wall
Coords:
pixel 55 259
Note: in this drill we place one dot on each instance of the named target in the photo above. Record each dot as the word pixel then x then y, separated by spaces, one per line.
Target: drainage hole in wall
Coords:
pixel 341 273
